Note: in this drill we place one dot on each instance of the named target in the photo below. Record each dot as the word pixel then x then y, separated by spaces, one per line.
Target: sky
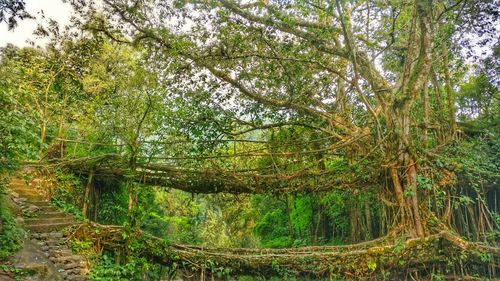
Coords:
pixel 62 12
pixel 55 9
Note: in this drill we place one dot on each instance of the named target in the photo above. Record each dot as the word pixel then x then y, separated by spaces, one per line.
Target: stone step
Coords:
pixel 67 260
pixel 76 278
pixel 75 266
pixel 42 220
pixel 38 242
pixel 48 227
pixel 16 182
pixel 63 252
pixel 55 243
pixel 52 215
pixel 61 244
pixel 44 209
pixel 72 272
pixel 56 248
pixel 33 267
pixel 33 197
pixel 42 203
pixel 29 208
pixel 48 235
pixel 25 190
pixel 45 224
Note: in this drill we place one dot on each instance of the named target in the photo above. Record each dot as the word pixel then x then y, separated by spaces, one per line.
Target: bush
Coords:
pixel 136 269
pixel 10 235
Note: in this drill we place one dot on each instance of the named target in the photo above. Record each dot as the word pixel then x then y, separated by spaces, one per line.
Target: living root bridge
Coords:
pixel 368 259
pixel 112 166
pixel 203 180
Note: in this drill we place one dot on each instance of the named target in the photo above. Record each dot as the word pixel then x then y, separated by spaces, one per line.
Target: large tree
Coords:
pixel 352 73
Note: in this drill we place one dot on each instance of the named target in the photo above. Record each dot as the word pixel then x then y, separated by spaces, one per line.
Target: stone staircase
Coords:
pixel 46 225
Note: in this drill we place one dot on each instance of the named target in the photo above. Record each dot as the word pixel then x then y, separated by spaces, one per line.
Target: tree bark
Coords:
pixel 87 194
pixel 440 109
pixel 425 131
pixel 412 185
pixel 43 135
pixel 449 91
pixel 289 218
pixel 368 216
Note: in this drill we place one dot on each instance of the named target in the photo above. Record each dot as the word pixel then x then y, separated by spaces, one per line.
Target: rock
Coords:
pixel 56 248
pixel 77 278
pixel 20 201
pixel 6 276
pixel 62 253
pixel 38 243
pixel 67 259
pixel 55 242
pixel 32 208
pixel 19 220
pixel 51 235
pixel 36 269
pixel 71 265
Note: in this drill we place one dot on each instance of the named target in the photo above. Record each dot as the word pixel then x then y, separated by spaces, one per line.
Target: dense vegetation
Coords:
pixel 265 124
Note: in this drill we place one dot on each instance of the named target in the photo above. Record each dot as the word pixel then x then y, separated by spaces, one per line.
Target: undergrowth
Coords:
pixel 10 235
pixel 65 196
pixel 137 268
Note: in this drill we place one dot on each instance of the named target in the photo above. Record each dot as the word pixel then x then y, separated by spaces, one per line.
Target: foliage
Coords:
pixel 67 195
pixel 10 235
pixel 11 11
pixel 19 273
pixel 10 239
pixel 479 104
pixel 136 269
pixel 44 89
pixel 113 205
pixel 476 161
pixel 16 129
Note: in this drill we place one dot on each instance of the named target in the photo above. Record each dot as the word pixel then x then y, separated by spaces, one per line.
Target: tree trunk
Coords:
pixel 412 186
pixel 439 102
pixel 318 224
pixel 403 172
pixel 449 91
pixel 97 195
pixel 87 194
pixel 353 221
pixel 130 185
pixel 289 218
pixel 130 197
pixel 425 102
pixel 43 135
pixel 368 216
